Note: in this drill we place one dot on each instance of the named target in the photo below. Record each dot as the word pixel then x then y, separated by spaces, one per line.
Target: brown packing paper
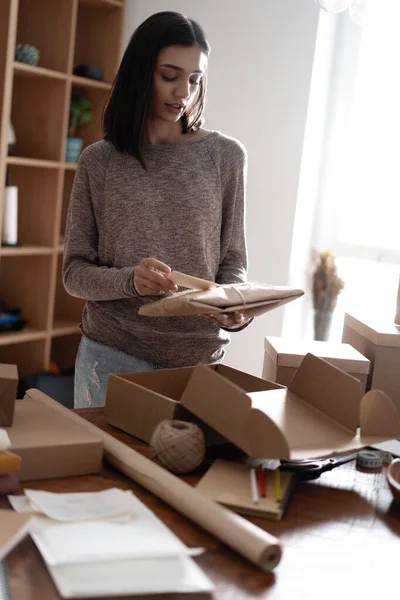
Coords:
pixel 316 416
pixel 248 540
pixel 13 528
pixel 253 299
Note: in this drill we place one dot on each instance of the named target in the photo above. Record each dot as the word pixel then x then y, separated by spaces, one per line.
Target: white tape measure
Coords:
pixel 369 459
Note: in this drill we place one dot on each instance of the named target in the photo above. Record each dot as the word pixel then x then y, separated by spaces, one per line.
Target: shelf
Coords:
pixel 102 3
pixel 37 114
pixel 28 334
pixel 28 354
pixel 38 193
pixel 86 82
pixel 98 35
pixel 25 284
pixel 61 328
pixel 21 161
pixel 70 166
pixel 25 251
pixel 23 70
pixel 93 132
pixel 47 25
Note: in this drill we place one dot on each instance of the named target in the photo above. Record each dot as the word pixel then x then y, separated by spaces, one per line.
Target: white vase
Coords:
pixel 10 216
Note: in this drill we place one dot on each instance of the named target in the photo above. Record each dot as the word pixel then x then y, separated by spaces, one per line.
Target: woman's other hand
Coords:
pixel 150 278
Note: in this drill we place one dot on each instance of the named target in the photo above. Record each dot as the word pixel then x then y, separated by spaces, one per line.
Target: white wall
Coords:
pixel 258 89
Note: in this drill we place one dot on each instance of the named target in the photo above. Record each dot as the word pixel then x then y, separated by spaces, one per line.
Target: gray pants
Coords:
pixel 94 363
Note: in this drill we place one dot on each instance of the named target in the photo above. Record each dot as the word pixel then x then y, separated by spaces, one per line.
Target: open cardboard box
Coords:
pixel 320 414
pixel 138 402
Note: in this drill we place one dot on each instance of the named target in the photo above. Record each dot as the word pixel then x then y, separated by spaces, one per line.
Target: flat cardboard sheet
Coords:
pixel 228 483
pixel 317 416
pixel 252 299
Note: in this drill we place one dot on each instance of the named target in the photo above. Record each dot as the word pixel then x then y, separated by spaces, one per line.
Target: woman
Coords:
pixel 158 185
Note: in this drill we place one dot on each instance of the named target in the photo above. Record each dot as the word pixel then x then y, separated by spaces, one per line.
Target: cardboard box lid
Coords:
pixel 317 416
pixel 289 352
pixel 13 528
pixel 38 425
pixel 379 331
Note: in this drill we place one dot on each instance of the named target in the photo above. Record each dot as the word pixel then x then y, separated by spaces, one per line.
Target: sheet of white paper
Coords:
pixel 21 504
pixel 393 446
pixel 125 578
pixel 105 504
pixel 5 442
pixel 100 541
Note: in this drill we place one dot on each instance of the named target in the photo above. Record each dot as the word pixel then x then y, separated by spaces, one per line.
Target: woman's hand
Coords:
pixel 150 278
pixel 229 320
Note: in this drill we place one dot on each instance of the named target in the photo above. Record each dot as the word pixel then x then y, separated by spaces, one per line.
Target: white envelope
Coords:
pixel 106 558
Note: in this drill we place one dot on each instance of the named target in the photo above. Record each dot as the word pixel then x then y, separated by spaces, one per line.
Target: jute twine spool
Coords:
pixel 178 446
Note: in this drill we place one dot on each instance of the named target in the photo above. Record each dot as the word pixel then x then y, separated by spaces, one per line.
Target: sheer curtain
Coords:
pixel 359 196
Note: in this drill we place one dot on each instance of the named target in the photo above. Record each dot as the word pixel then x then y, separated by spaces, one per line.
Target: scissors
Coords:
pixel 312 469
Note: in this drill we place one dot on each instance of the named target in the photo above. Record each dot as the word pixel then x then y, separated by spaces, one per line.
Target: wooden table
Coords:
pixel 340 537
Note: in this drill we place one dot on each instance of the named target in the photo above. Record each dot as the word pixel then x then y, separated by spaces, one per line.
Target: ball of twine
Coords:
pixel 178 446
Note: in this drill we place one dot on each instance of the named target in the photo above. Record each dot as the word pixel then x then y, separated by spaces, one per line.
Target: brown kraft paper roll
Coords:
pixel 252 542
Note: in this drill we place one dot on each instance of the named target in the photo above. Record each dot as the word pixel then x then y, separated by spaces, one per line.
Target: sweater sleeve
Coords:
pixel 83 276
pixel 233 261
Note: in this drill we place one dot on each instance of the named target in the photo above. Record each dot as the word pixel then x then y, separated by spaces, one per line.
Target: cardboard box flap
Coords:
pixel 13 528
pixel 281 423
pixel 222 398
pixel 328 389
pixel 379 417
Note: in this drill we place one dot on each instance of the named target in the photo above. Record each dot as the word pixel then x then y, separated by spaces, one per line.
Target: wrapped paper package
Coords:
pixel 247 539
pixel 206 298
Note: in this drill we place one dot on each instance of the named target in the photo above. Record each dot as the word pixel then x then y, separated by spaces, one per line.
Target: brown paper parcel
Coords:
pixel 247 539
pixel 253 299
pixel 316 416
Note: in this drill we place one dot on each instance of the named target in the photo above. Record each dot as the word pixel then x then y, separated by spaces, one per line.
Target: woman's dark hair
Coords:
pixel 128 108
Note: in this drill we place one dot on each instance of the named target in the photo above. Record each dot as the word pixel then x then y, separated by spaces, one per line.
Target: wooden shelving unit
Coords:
pixel 36 100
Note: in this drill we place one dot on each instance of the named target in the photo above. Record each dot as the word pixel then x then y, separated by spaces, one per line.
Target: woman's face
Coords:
pixel 177 76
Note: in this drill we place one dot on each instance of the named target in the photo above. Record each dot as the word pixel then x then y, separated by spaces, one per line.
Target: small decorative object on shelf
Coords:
pixel 80 113
pixel 397 317
pixel 27 54
pixel 10 215
pixel 10 318
pixel 89 71
pixel 326 286
pixel 11 140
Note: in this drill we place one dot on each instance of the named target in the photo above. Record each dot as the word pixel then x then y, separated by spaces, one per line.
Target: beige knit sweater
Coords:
pixel 186 210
